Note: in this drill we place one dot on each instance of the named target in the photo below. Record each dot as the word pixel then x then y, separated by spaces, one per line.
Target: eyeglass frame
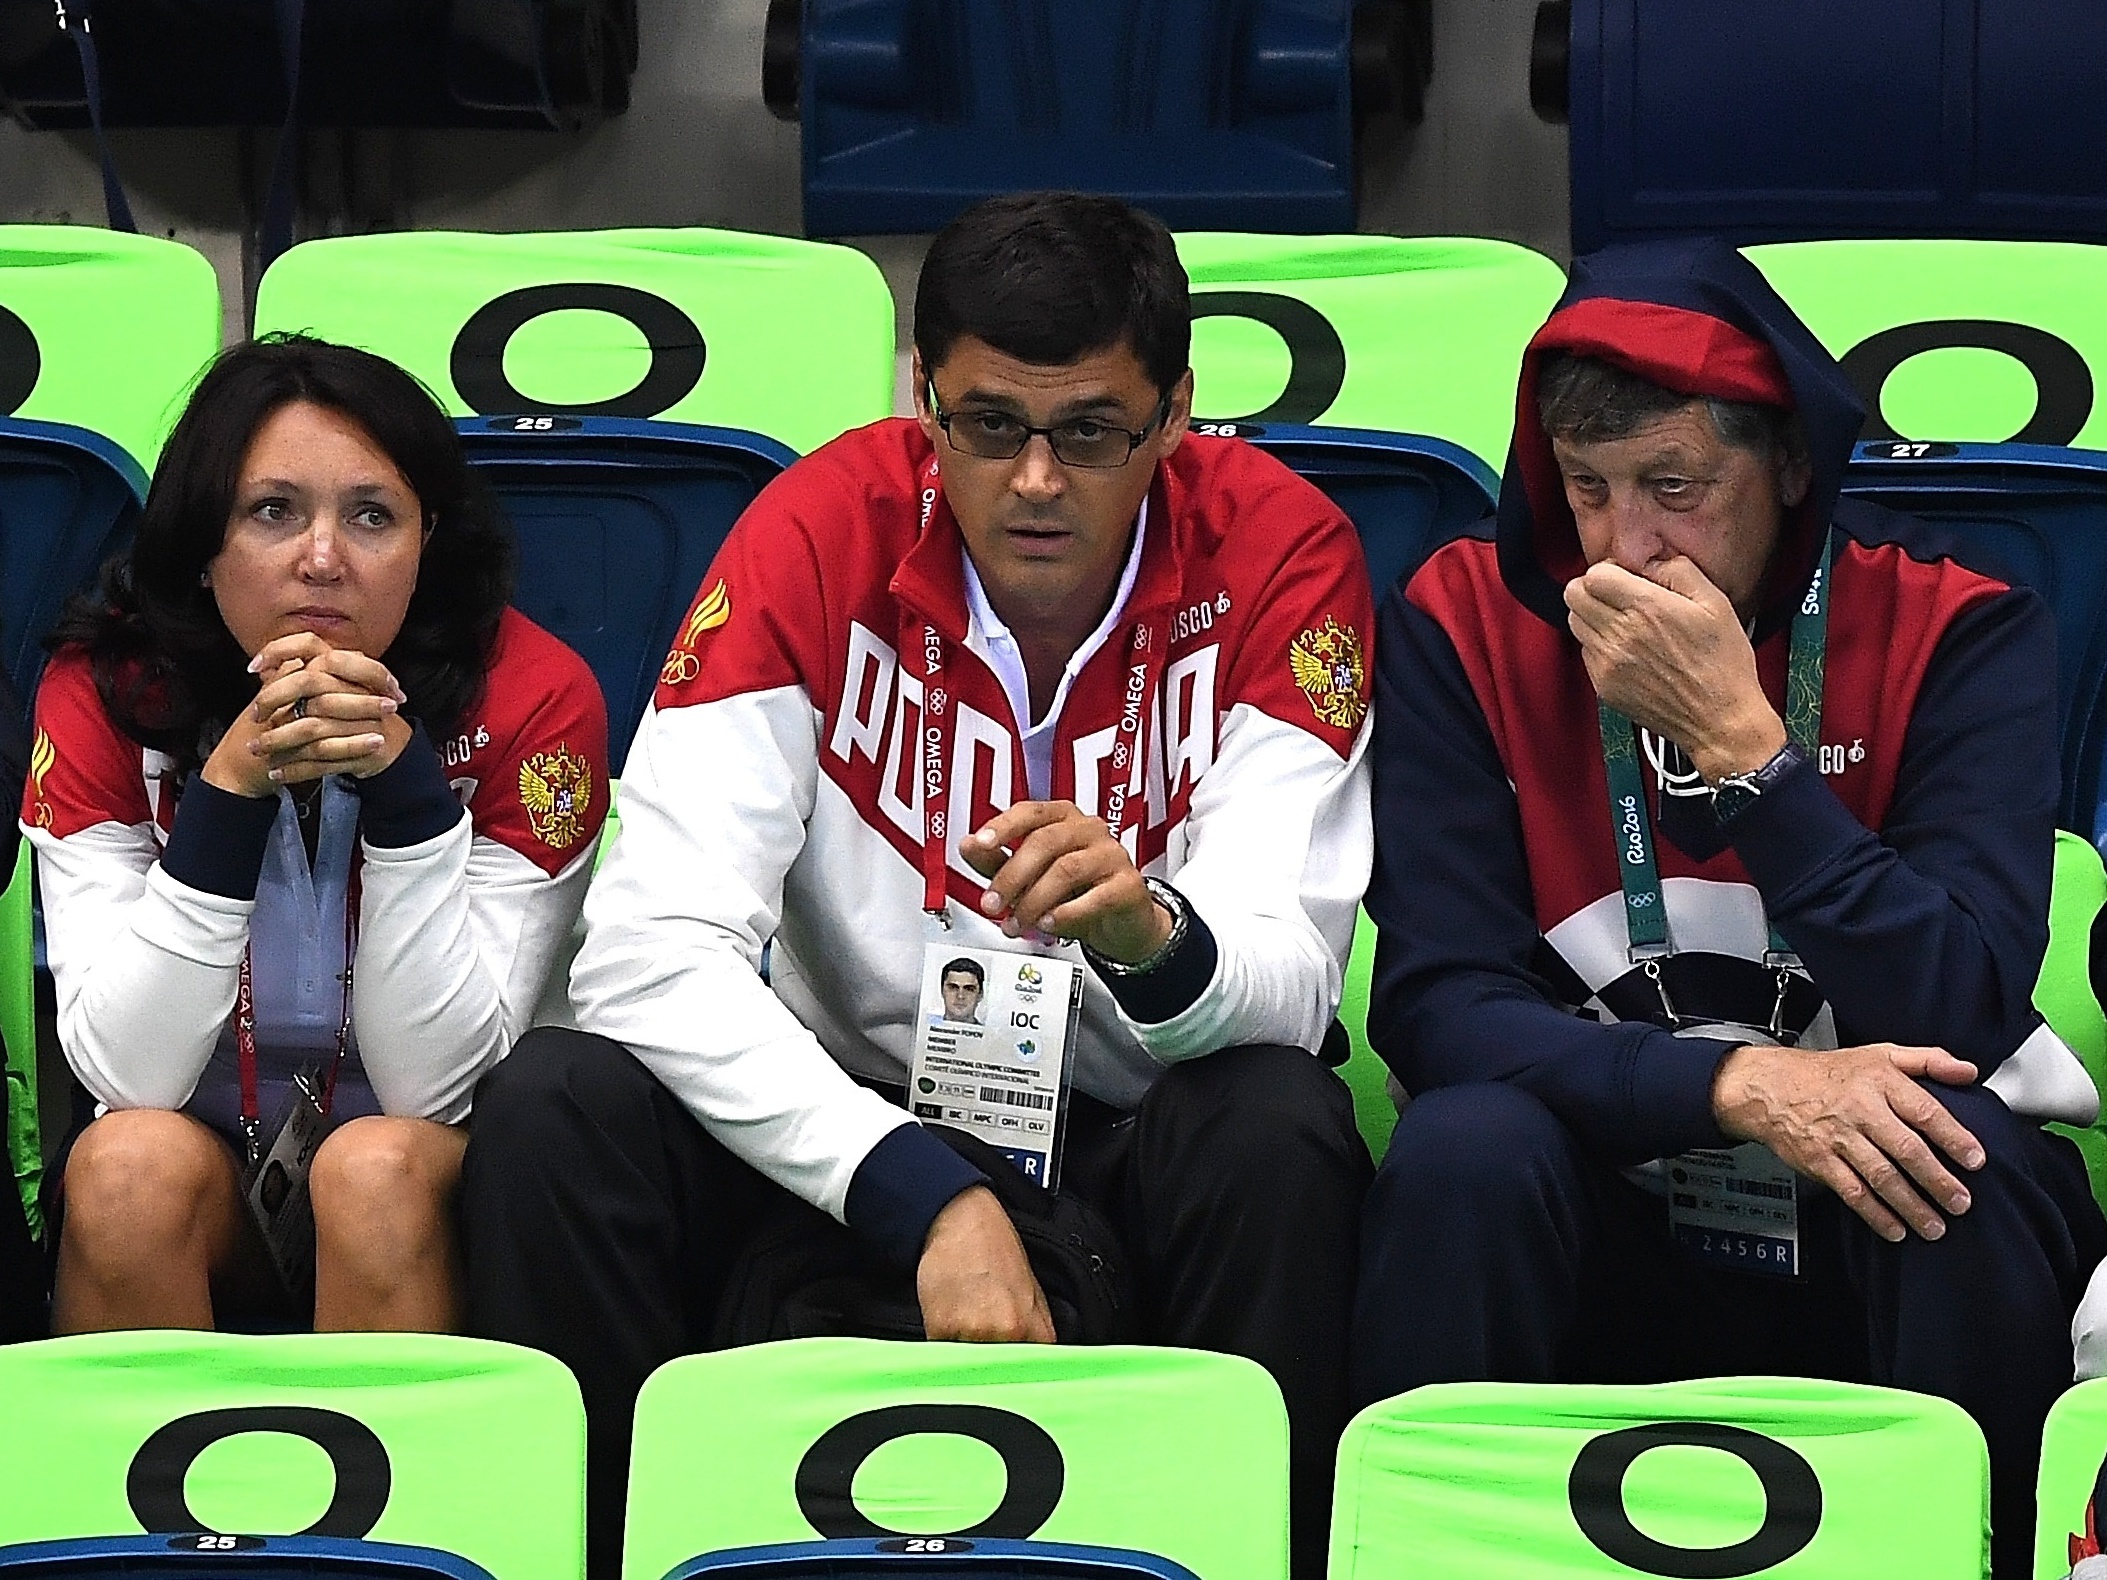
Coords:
pixel 1134 440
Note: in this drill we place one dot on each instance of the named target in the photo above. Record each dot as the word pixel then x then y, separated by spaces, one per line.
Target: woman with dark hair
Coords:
pixel 284 949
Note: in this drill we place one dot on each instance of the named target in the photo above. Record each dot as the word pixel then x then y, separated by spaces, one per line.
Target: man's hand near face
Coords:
pixel 1050 868
pixel 1669 653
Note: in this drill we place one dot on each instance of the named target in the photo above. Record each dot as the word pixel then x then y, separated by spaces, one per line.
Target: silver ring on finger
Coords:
pixel 299 709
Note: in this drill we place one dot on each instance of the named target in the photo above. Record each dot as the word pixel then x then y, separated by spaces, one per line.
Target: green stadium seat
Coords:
pixel 1959 341
pixel 1421 335
pixel 468 1446
pixel 18 1030
pixel 2064 995
pixel 793 339
pixel 2073 1465
pixel 103 330
pixel 1165 1451
pixel 1364 1072
pixel 1737 1476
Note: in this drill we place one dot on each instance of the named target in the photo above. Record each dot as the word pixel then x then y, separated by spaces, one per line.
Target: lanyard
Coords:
pixel 1144 660
pixel 1645 909
pixel 245 1031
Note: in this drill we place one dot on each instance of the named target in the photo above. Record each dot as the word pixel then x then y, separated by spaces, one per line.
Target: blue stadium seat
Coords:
pixel 1404 492
pixel 1800 119
pixel 68 497
pixel 1214 116
pixel 2039 514
pixel 618 519
pixel 211 1556
pixel 926 1558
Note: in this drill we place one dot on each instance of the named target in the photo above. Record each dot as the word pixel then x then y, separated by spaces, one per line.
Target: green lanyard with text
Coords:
pixel 1645 909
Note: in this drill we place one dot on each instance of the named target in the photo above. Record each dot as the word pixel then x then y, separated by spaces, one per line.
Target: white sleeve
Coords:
pixel 1279 842
pixel 2088 1329
pixel 145 967
pixel 455 938
pixel 715 799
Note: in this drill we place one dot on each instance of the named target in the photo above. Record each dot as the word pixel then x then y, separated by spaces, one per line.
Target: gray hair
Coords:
pixel 1585 400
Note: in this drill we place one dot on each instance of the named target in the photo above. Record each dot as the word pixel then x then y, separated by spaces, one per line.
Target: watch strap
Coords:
pixel 1181 924
pixel 1736 793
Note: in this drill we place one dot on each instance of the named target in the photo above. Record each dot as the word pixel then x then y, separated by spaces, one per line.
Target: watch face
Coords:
pixel 1730 800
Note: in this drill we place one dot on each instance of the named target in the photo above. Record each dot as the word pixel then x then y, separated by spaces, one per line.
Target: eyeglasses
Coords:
pixel 1082 441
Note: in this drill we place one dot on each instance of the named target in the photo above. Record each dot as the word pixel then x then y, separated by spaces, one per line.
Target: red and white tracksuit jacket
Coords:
pixel 459 916
pixel 775 789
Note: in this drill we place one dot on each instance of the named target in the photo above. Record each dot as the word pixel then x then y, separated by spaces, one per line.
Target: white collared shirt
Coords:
pixel 991 639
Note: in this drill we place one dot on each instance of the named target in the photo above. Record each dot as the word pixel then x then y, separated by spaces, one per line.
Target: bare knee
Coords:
pixel 385 1179
pixel 146 1180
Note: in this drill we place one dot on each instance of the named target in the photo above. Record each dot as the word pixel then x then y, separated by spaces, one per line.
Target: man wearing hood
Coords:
pixel 1744 1076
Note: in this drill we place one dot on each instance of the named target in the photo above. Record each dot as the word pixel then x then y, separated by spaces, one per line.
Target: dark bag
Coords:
pixel 801 1275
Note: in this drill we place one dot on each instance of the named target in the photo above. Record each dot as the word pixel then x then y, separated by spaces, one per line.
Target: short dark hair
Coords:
pixel 167 668
pixel 970 967
pixel 1586 400
pixel 1048 277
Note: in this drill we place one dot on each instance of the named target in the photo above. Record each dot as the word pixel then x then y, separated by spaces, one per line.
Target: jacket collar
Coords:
pixel 930 581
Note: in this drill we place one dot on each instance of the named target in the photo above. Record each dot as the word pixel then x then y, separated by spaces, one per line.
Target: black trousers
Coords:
pixel 599 1221
pixel 23 1286
pixel 1494 1247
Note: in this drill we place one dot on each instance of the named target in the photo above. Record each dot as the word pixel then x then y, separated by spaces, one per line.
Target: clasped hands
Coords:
pixel 1668 651
pixel 1050 869
pixel 318 710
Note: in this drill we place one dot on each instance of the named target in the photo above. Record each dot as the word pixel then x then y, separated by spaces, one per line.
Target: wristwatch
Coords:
pixel 1181 923
pixel 1736 793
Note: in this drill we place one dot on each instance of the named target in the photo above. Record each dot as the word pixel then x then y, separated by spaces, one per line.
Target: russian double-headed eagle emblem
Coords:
pixel 556 788
pixel 1326 664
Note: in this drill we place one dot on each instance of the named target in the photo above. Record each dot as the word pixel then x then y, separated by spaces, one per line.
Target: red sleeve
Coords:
pixel 82 770
pixel 756 622
pixel 541 788
pixel 1305 658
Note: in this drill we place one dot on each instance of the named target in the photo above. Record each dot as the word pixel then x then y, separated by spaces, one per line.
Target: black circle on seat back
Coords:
pixel 1031 1460
pixel 1792 1500
pixel 21 361
pixel 154 1484
pixel 678 353
pixel 1316 354
pixel 2062 381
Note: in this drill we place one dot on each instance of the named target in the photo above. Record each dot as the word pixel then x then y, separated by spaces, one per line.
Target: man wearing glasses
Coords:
pixel 1035 673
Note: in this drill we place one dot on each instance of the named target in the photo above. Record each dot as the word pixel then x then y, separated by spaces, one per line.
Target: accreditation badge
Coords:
pixel 276 1189
pixel 991 1050
pixel 1739 1206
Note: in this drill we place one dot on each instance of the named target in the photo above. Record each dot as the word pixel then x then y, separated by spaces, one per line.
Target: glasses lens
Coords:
pixel 1092 444
pixel 988 434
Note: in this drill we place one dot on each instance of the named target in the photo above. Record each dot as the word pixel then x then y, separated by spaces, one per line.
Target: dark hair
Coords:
pixel 1048 277
pixel 167 669
pixel 1587 400
pixel 970 967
